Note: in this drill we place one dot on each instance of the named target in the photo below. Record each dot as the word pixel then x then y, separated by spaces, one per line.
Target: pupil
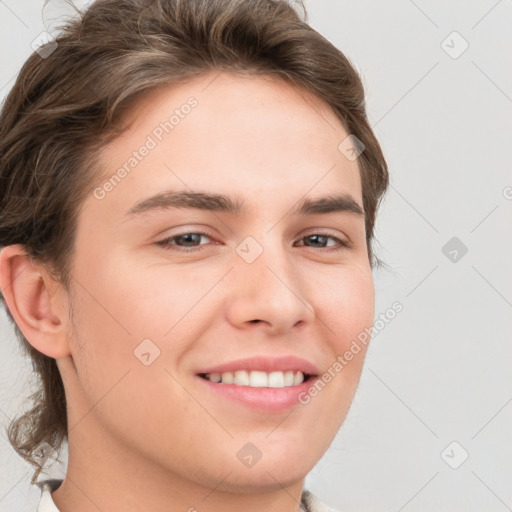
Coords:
pixel 316 237
pixel 188 236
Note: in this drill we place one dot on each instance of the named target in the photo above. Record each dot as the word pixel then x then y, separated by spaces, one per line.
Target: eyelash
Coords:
pixel 342 244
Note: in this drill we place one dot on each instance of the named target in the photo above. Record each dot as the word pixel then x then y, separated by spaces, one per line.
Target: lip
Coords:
pixel 265 364
pixel 266 400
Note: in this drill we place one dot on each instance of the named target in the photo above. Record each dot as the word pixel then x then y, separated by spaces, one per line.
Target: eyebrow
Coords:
pixel 236 206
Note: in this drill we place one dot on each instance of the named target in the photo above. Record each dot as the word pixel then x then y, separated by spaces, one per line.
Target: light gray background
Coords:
pixel 440 371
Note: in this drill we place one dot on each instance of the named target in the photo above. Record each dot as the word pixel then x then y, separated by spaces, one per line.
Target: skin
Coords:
pixel 149 437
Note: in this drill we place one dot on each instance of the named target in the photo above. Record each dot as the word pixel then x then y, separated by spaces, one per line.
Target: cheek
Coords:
pixel 347 305
pixel 113 314
pixel 126 318
pixel 124 302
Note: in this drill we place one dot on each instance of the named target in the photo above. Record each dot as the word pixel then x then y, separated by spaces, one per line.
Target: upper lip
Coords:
pixel 265 364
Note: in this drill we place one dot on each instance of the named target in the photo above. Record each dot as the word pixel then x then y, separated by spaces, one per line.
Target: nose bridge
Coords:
pixel 265 261
pixel 269 287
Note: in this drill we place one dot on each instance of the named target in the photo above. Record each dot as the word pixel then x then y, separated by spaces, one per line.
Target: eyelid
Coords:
pixel 166 245
pixel 186 229
pixel 343 241
pixel 327 232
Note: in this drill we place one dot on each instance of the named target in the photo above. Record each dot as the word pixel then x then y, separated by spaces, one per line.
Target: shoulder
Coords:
pixel 313 504
pixel 46 503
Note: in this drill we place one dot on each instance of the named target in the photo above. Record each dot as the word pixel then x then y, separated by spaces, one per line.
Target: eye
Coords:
pixel 322 239
pixel 189 239
pixel 187 242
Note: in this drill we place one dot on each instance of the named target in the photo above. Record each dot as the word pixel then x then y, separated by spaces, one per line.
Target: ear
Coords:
pixel 36 301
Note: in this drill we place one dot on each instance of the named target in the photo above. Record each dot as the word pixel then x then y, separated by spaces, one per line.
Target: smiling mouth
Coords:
pixel 258 379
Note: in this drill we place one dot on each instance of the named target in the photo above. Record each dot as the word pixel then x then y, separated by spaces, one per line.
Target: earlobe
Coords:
pixel 30 294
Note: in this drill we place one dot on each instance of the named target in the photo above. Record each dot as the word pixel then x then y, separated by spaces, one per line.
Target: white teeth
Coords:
pixel 288 378
pixel 241 378
pixel 228 377
pixel 298 379
pixel 276 380
pixel 215 377
pixel 258 379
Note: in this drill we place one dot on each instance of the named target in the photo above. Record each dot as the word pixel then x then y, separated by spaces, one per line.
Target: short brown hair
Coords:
pixel 64 108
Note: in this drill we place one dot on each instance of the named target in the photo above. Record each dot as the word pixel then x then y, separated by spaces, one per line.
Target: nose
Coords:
pixel 270 293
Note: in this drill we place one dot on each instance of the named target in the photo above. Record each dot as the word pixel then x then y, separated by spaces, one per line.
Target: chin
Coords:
pixel 280 468
pixel 268 478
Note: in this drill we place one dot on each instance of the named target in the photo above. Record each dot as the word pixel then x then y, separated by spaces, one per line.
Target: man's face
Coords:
pixel 265 284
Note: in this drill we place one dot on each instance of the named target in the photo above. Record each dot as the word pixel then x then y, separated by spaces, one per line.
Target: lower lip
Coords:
pixel 262 399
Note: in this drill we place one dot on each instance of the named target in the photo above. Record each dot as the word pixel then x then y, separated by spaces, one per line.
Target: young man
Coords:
pixel 191 190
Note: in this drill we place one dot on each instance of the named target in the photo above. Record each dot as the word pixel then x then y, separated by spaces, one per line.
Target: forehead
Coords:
pixel 254 135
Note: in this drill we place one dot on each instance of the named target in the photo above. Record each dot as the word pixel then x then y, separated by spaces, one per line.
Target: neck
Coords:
pixel 106 472
pixel 104 475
